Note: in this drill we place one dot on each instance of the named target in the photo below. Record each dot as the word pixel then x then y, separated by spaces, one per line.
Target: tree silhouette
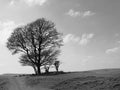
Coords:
pixel 38 42
pixel 57 64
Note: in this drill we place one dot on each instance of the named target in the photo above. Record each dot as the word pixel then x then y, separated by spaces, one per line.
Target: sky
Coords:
pixel 91 31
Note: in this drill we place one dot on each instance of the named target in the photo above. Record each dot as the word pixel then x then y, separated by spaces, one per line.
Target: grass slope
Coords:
pixel 106 79
pixel 4 82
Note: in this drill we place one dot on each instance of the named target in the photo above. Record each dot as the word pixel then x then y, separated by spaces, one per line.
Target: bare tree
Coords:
pixel 48 58
pixel 39 42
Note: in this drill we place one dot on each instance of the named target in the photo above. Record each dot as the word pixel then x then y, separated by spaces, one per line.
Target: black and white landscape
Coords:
pixel 59 45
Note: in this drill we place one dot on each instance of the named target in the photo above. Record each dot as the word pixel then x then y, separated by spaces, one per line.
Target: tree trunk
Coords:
pixel 57 70
pixel 35 70
pixel 47 70
pixel 38 70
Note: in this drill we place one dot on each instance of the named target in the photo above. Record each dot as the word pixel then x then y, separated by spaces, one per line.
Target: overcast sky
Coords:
pixel 91 31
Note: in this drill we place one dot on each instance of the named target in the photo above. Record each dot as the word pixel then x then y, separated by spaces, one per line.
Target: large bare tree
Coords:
pixel 38 43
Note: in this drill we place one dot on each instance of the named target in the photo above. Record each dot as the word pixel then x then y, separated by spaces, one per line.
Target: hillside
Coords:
pixel 105 79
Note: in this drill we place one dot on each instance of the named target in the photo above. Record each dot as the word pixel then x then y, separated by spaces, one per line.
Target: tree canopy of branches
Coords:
pixel 38 43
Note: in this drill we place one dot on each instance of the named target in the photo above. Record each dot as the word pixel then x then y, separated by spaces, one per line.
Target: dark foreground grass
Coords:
pixel 90 80
pixel 4 83
pixel 90 83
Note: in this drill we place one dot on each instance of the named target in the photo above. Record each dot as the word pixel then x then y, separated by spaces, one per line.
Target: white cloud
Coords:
pixel 6 29
pixel 88 13
pixel 112 50
pixel 35 2
pixel 86 38
pixel 30 2
pixel 83 40
pixel 71 37
pixel 12 2
pixel 74 13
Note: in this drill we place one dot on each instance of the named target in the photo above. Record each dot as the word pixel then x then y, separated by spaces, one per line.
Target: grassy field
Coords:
pixel 4 83
pixel 88 80
pixel 106 79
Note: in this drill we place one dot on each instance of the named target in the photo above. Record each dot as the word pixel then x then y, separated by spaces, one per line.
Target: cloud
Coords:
pixel 83 40
pixel 88 13
pixel 112 50
pixel 6 29
pixel 35 2
pixel 12 2
pixel 73 13
pixel 86 38
pixel 30 2
pixel 71 37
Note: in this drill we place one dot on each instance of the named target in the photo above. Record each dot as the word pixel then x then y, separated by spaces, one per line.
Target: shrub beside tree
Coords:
pixel 57 64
